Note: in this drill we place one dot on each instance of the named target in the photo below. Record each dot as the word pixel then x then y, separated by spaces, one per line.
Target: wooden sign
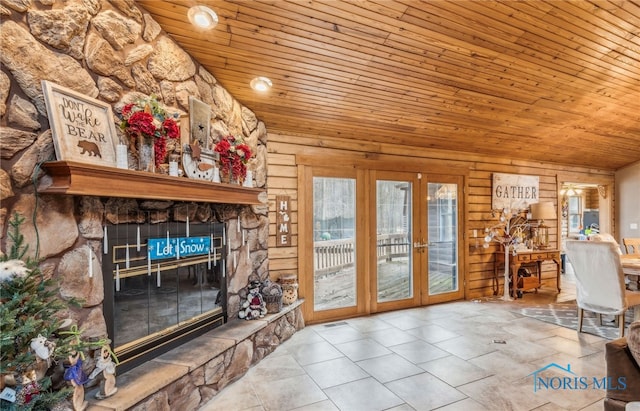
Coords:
pixel 82 127
pixel 283 221
pixel 514 191
pixel 200 122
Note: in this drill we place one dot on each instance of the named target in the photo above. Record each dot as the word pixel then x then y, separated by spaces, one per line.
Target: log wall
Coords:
pixel 287 154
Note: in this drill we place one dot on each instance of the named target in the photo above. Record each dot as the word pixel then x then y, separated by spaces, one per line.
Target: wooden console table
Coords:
pixel 527 258
pixel 630 264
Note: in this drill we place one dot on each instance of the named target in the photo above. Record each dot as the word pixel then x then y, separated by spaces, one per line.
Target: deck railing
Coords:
pixel 391 246
pixel 333 255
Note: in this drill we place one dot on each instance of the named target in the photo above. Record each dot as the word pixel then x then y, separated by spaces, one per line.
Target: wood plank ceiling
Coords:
pixel 539 80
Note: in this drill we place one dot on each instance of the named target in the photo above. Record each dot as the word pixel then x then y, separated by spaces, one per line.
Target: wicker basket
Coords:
pixel 273 303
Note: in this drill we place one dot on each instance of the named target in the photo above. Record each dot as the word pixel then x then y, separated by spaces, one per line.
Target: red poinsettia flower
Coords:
pixel 171 128
pixel 126 110
pixel 223 147
pixel 141 123
pixel 145 118
pixel 234 156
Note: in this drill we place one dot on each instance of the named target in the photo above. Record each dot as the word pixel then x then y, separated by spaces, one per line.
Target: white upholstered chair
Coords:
pixel 600 286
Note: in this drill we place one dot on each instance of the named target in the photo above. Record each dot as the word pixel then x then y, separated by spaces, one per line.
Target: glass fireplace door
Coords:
pixel 162 282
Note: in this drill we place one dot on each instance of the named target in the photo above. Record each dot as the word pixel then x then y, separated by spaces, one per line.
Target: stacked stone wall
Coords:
pixel 115 52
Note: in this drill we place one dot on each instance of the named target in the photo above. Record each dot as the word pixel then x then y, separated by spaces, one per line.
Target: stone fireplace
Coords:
pixel 132 246
pixel 78 221
pixel 114 52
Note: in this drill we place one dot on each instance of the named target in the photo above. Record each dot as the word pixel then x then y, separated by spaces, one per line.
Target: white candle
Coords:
pixel 224 236
pixel 121 156
pixel 248 180
pixel 209 260
pixel 117 277
pixel 177 251
pixel 138 239
pixel 158 274
pixel 90 262
pixel 238 227
pixel 173 168
pixel 187 226
pixel 126 257
pixel 149 263
pixel 235 263
pixel 224 270
pixel 242 237
pixel 247 251
pixel 167 238
pixel 105 242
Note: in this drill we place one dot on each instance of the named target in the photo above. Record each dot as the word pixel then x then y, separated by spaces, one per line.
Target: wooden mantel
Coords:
pixel 73 178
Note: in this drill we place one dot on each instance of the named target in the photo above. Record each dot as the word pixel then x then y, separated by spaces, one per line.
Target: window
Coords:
pixel 575 214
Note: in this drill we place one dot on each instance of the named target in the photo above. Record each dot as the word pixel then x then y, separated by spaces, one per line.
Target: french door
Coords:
pixel 441 224
pixel 336 245
pixel 381 241
pixel 414 256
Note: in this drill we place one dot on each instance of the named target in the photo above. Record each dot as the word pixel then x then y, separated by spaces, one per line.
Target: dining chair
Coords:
pixel 631 246
pixel 600 285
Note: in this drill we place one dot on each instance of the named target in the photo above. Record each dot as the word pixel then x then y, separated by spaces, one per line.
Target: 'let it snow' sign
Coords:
pixel 161 248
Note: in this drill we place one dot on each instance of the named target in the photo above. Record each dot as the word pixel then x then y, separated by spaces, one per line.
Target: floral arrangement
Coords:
pixel 145 118
pixel 234 156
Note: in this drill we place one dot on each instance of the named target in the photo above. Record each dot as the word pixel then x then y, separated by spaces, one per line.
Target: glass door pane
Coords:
pixel 442 212
pixel 334 243
pixel 393 240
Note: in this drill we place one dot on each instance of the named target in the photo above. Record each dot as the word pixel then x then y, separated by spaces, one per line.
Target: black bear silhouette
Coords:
pixel 89 147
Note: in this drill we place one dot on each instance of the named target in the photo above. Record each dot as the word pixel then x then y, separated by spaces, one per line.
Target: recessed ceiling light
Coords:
pixel 203 17
pixel 261 84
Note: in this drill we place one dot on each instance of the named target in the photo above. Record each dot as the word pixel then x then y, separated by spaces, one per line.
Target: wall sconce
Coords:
pixel 203 17
pixel 543 211
pixel 261 84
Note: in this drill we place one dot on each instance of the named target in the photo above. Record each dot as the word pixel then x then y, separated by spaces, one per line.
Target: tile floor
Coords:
pixel 437 357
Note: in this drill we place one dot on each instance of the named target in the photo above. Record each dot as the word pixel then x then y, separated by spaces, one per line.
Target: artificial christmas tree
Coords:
pixel 33 336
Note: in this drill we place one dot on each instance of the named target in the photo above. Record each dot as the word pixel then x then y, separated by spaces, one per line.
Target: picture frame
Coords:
pixel 82 127
pixel 200 122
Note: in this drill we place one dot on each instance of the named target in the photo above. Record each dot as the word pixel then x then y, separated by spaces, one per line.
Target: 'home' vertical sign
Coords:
pixel 283 221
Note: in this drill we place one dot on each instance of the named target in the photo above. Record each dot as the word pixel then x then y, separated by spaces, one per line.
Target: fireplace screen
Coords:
pixel 164 284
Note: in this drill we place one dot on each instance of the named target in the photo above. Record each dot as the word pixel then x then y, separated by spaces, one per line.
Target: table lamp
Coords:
pixel 543 211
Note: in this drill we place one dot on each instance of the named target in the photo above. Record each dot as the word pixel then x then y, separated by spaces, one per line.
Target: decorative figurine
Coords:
pixel 77 377
pixel 254 307
pixel 30 388
pixel 44 351
pixel 105 365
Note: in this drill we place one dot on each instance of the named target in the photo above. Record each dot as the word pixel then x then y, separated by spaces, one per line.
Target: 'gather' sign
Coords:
pixel 514 191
